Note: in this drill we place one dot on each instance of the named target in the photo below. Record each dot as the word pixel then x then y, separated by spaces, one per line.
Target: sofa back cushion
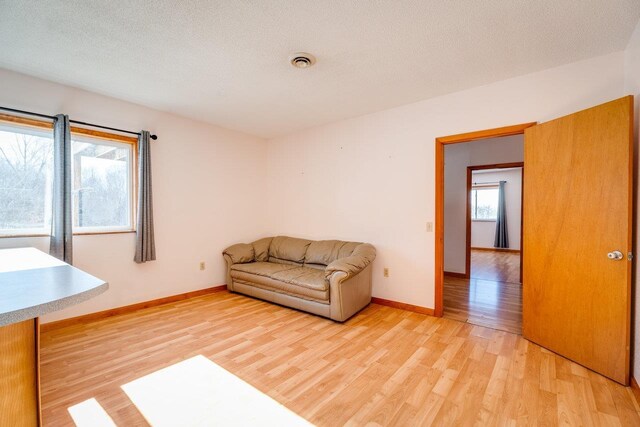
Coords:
pixel 288 250
pixel 261 249
pixel 323 252
pixel 347 249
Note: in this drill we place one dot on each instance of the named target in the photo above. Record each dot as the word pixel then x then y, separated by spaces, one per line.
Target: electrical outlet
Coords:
pixel 201 265
pixel 386 272
pixel 429 227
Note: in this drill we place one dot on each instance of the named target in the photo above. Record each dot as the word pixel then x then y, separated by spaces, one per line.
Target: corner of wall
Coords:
pixel 632 87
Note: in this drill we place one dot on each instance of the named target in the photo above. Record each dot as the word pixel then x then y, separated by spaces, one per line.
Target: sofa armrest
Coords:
pixel 240 253
pixel 228 278
pixel 362 256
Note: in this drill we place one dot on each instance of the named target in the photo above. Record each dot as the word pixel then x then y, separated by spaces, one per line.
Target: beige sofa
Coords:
pixel 329 278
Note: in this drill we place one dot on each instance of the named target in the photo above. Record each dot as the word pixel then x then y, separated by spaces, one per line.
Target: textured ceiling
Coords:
pixel 226 62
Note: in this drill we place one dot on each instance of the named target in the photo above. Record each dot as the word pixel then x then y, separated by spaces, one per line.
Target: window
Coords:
pixel 102 180
pixel 102 185
pixel 26 170
pixel 484 203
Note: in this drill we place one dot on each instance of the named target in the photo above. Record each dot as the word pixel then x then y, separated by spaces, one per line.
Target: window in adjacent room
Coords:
pixel 484 203
pixel 102 180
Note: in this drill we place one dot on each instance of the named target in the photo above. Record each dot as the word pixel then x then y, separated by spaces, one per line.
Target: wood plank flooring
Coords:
pixel 493 295
pixel 487 303
pixel 496 266
pixel 385 366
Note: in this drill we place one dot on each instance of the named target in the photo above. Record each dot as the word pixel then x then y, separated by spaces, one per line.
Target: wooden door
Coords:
pixel 577 210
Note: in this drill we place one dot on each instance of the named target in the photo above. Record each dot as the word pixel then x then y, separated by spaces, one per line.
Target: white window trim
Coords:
pixel 476 188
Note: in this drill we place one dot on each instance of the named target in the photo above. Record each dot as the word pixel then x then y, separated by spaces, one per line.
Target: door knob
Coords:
pixel 615 255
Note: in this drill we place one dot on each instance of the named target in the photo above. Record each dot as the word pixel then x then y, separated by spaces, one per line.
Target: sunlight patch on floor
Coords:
pixel 198 392
pixel 90 414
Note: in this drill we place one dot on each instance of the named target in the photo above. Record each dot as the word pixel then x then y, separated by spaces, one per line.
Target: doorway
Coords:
pixel 490 292
pixel 459 278
pixel 482 231
pixel 578 221
pixel 491 255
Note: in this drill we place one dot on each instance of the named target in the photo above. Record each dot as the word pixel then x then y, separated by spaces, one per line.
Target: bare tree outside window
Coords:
pixel 484 204
pixel 102 187
pixel 26 165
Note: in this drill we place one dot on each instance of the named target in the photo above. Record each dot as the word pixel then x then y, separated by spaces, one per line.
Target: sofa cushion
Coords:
pixel 290 249
pixel 303 276
pixel 261 249
pixel 290 289
pixel 323 252
pixel 261 268
pixel 347 249
pixel 300 282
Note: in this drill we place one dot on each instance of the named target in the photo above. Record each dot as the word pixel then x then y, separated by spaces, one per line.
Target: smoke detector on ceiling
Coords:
pixel 302 60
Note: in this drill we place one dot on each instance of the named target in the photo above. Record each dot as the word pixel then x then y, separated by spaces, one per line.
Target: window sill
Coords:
pixel 21 236
pixel 79 233
pixel 91 233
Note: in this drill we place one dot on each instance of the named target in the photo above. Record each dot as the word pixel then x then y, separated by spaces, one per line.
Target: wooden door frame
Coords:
pixel 470 169
pixel 440 143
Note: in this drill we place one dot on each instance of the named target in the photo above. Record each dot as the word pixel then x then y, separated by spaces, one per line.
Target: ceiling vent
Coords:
pixel 302 60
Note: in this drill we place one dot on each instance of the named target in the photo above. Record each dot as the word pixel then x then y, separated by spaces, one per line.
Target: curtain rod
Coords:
pixel 487 183
pixel 46 116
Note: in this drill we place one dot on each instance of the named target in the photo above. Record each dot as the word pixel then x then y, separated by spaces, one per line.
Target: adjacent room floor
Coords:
pixel 386 366
pixel 493 295
pixel 496 266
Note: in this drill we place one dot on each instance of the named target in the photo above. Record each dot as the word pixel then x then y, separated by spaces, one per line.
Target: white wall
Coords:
pixel 632 86
pixel 208 186
pixel 483 233
pixel 457 158
pixel 371 178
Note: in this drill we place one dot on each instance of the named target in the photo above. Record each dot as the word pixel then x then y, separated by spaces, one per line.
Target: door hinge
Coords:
pixel 630 256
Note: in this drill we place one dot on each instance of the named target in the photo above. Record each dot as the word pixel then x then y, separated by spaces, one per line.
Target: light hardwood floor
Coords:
pixel 385 366
pixel 496 266
pixel 493 295
pixel 487 303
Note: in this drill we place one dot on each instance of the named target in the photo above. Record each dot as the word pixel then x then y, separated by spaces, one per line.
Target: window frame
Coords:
pixel 85 134
pixel 130 184
pixel 471 204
